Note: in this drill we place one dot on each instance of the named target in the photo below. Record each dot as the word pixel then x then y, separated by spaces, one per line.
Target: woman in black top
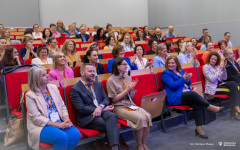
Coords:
pixel 92 58
pixel 146 33
pixel 179 44
pixel 152 43
pixel 100 35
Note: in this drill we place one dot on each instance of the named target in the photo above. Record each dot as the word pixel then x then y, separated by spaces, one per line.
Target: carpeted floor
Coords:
pixel 224 131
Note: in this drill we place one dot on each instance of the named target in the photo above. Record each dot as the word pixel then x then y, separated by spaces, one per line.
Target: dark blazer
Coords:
pixel 24 50
pixel 97 38
pixel 82 100
pixel 100 69
pixel 232 73
pixel 159 39
pixel 79 36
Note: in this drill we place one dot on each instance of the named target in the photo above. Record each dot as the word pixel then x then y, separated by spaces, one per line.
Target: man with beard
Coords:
pixel 92 105
pixel 232 67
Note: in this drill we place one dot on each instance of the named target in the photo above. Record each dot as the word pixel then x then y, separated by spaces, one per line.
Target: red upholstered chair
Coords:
pixel 77 71
pixel 200 59
pixel 105 66
pixel 236 53
pixel 146 85
pixel 170 38
pixel 202 79
pixel 215 46
pixel 18 46
pixel 181 37
pixel 28 61
pixel 194 72
pixel 183 108
pixel 72 113
pixel 107 55
pixel 13 82
pixel 129 54
pixel 84 48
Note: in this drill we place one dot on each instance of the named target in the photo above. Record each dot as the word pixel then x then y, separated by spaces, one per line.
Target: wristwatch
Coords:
pixel 103 106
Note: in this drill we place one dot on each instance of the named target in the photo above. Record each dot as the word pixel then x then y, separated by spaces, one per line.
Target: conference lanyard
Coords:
pixel 90 89
pixel 142 63
pixel 44 61
pixel 70 57
pixel 50 104
pixel 126 87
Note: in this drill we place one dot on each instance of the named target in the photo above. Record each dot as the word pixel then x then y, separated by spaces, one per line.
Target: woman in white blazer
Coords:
pixel 215 73
pixel 47 116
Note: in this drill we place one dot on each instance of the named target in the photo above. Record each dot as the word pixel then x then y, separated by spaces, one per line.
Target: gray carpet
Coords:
pixel 223 131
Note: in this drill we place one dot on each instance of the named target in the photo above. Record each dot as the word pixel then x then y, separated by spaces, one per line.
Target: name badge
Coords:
pixel 54 117
pixel 133 107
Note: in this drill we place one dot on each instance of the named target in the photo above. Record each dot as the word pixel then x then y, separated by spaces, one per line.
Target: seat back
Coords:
pixel 159 80
pixel 201 76
pixel 13 87
pixel 200 59
pixel 194 72
pixel 129 54
pixel 77 71
pixel 28 61
pixel 107 55
pixel 146 85
pixel 104 83
pixel 105 66
pixel 71 109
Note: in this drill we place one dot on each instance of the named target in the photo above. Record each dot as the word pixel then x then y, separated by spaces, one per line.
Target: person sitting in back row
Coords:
pixel 118 51
pixel 92 105
pixel 158 35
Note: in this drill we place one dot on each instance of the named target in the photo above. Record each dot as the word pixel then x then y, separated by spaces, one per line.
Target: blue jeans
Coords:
pixel 60 139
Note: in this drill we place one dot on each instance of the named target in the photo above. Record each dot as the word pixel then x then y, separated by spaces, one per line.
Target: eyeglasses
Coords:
pixel 124 64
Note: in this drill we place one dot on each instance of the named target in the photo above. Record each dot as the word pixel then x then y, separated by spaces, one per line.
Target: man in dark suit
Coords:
pixel 233 69
pixel 158 35
pixel 85 37
pixel 92 105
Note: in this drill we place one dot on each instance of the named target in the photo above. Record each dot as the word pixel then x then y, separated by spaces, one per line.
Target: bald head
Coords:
pixel 170 29
pixel 158 32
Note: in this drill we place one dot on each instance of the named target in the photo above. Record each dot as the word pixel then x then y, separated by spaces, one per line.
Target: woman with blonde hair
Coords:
pixel 161 56
pixel 42 53
pixel 69 50
pixel 188 55
pixel 29 51
pixel 61 28
pixel 60 68
pixel 6 36
pixel 128 44
pixel 47 116
pixel 71 32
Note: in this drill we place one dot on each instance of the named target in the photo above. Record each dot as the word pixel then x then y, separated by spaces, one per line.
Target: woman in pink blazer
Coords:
pixel 47 116
pixel 60 69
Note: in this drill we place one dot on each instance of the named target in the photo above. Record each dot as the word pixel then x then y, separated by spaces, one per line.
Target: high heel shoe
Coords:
pixel 235 114
pixel 201 136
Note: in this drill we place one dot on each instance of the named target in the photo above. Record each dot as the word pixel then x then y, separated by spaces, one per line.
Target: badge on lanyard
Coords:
pixel 54 117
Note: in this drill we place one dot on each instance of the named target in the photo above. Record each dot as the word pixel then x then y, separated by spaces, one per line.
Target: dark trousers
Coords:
pixel 107 123
pixel 196 102
pixel 234 92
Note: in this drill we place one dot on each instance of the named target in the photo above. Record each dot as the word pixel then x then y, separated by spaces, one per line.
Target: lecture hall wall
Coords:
pixel 189 17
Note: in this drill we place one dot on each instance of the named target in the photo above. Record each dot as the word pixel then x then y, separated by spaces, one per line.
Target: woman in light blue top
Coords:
pixel 188 55
pixel 128 43
pixel 206 39
pixel 161 56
